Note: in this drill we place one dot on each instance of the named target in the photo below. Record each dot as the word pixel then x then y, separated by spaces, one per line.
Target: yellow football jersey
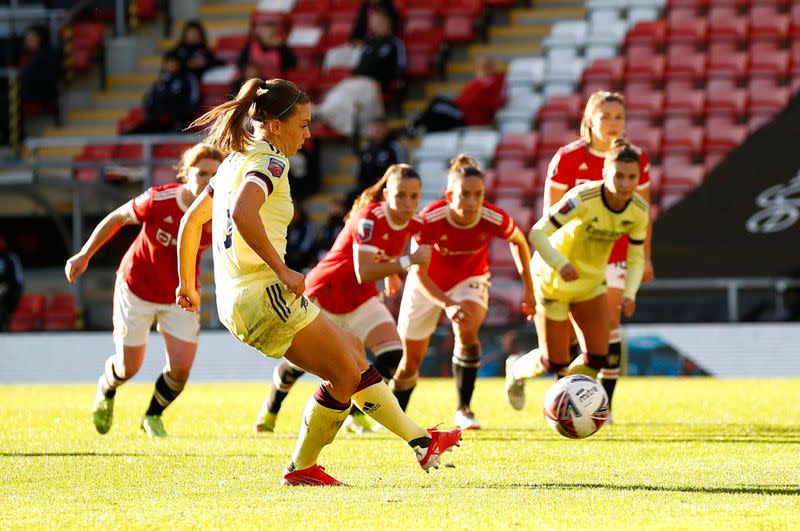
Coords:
pixel 235 263
pixel 581 230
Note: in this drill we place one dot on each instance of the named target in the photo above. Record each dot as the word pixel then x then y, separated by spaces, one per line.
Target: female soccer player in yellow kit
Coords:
pixel 572 245
pixel 259 299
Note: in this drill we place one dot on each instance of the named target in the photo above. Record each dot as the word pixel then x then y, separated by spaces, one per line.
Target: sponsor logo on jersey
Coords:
pixel 165 238
pixel 276 166
pixel 365 229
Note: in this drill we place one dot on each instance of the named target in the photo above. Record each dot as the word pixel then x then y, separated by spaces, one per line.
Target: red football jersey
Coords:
pixel 460 252
pixel 576 163
pixel 333 280
pixel 150 267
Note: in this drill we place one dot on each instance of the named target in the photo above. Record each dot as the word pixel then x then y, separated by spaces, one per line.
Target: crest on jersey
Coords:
pixel 567 207
pixel 276 166
pixel 365 228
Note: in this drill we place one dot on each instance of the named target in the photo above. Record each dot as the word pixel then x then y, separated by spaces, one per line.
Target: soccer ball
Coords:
pixel 576 406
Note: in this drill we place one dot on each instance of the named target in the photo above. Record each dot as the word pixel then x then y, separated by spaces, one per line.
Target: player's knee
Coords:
pixel 180 375
pixel 387 362
pixel 467 355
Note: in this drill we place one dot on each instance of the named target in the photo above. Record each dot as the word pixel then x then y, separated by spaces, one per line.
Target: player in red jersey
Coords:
pixel 145 289
pixel 582 161
pixel 368 249
pixel 457 281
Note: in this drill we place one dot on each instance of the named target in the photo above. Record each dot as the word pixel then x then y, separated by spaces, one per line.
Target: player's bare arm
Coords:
pixel 522 258
pixel 103 232
pixel 368 269
pixel 191 228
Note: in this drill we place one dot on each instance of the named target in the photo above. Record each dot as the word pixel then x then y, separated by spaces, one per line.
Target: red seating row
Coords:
pixel 35 312
pixel 88 162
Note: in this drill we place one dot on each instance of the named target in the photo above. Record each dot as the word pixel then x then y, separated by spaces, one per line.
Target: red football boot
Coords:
pixel 314 476
pixel 441 442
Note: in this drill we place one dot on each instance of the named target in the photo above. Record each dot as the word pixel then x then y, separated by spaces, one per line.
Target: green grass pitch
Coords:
pixel 683 453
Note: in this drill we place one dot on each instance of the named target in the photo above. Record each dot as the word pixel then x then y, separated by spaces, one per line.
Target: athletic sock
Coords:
pixel 403 396
pixel 283 378
pixel 387 358
pixel 402 389
pixel 109 380
pixel 610 373
pixel 322 418
pixel 466 361
pixel 167 390
pixel 375 399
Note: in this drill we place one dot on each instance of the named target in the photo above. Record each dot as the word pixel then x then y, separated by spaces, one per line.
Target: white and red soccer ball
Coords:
pixel 576 406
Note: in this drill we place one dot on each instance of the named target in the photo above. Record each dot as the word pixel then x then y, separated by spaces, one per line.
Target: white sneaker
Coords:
pixel 515 389
pixel 465 419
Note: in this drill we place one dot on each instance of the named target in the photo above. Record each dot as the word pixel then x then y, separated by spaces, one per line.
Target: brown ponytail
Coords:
pixel 374 193
pixel 461 166
pixel 258 101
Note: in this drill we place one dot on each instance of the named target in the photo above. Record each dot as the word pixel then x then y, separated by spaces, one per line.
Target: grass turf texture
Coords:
pixel 682 453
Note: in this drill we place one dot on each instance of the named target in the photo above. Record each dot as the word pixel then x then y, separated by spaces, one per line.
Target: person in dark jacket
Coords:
pixel 300 241
pixel 10 283
pixel 39 68
pixel 381 151
pixel 361 30
pixel 171 102
pixel 193 50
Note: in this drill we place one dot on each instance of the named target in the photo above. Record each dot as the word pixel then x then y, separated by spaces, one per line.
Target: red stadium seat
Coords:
pixel 305 78
pixel 691 102
pixel 768 102
pixel 471 8
pixel 724 138
pixel 93 153
pixel 794 55
pixel 517 146
pixel 212 94
pixel 419 8
pixel 566 107
pixel 644 67
pixel 169 151
pixel 768 62
pixel 690 31
pixel 28 313
pixel 650 139
pixel 553 135
pixel 766 24
pixel 605 70
pixel 130 152
pixel 729 101
pixel 500 255
pixel 134 119
pixel 459 28
pixel 331 77
pixel 727 64
pixel 648 105
pixel 655 175
pixel 228 47
pixel 257 17
pixel 684 63
pixel 309 13
pixel 61 313
pixel 517 183
pixel 651 33
pixel 683 140
pixel 729 28
pixel 682 179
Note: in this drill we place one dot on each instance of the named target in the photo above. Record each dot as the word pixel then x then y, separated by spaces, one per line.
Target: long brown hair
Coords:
pixel 258 100
pixel 461 166
pixel 596 100
pixel 374 193
pixel 194 154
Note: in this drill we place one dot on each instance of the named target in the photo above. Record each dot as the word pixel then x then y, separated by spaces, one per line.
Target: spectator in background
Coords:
pixel 477 103
pixel 359 96
pixel 333 226
pixel 267 51
pixel 39 68
pixel 11 281
pixel 172 101
pixel 193 51
pixel 300 242
pixel 381 151
pixel 361 30
pixel 304 174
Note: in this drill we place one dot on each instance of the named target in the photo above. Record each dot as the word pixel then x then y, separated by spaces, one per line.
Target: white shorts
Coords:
pixel 419 315
pixel 364 319
pixel 133 317
pixel 615 275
